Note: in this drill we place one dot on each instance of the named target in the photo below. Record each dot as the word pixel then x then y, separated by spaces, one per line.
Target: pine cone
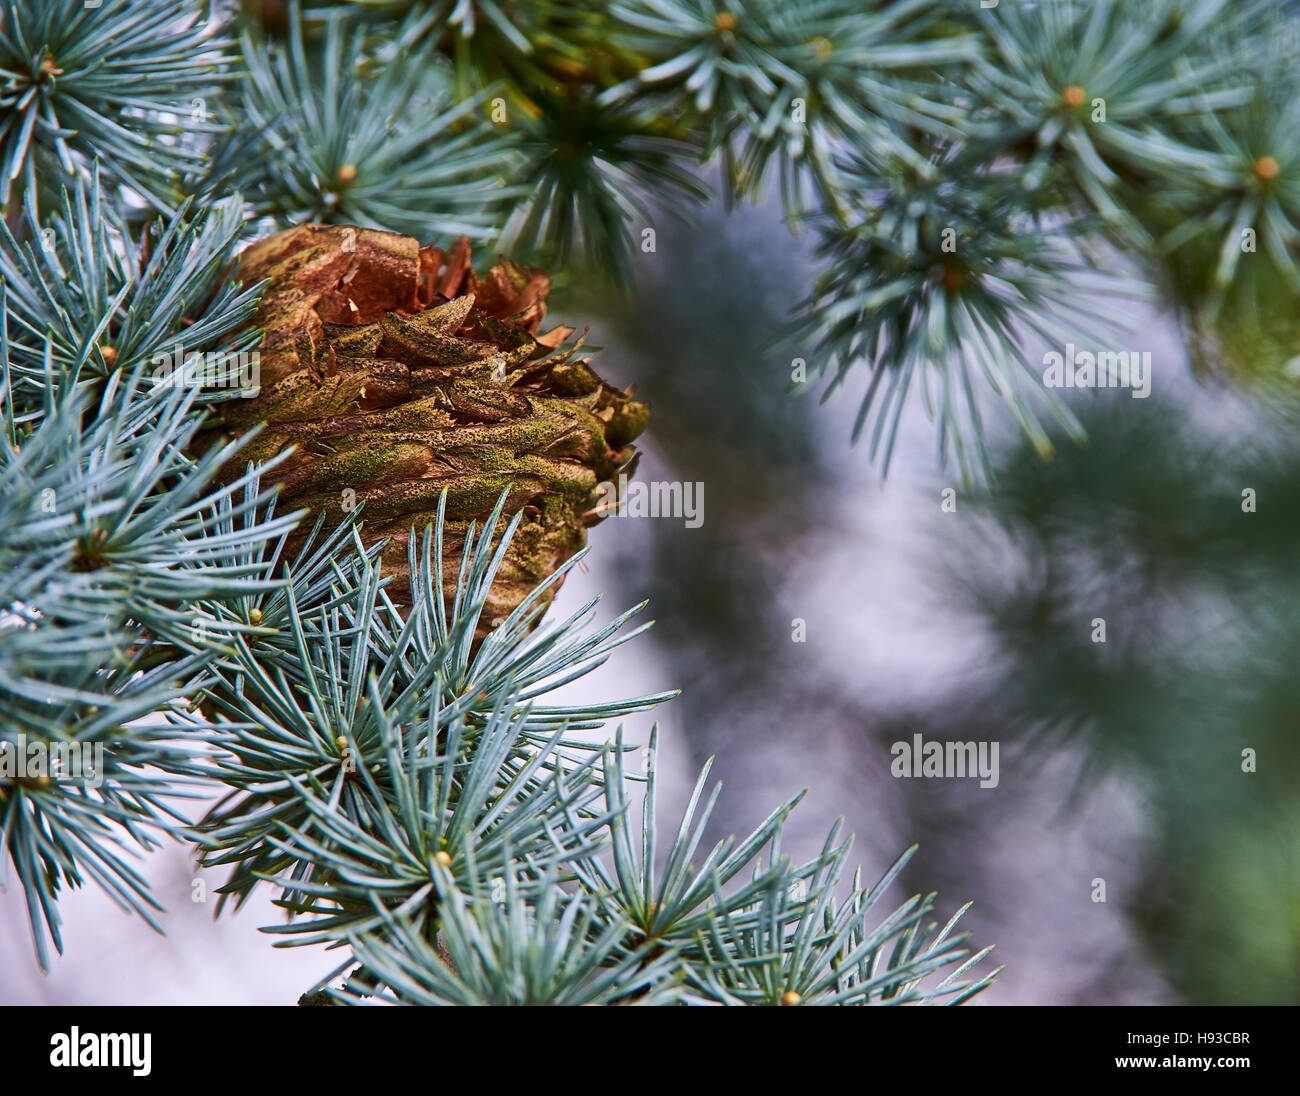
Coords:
pixel 397 374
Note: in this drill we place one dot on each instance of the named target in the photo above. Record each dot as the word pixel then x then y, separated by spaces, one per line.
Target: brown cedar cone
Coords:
pixel 396 373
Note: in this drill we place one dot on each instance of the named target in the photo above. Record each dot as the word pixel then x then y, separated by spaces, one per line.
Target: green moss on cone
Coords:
pixel 396 374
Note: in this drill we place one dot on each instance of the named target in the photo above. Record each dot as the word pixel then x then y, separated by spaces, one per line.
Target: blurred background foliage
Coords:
pixel 1194 696
pixel 1121 760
